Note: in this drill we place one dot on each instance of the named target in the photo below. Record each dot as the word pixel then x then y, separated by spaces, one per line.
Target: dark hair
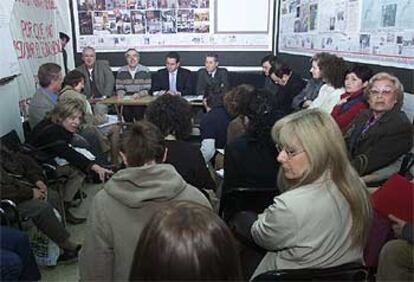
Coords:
pixel 172 114
pixel 214 55
pixel 361 71
pixel 173 55
pixel 279 68
pixel 185 241
pixel 131 49
pixel 237 100
pixel 262 113
pixel 143 143
pixel 214 93
pixel 63 35
pixel 268 58
pixel 48 73
pixel 73 78
pixel 332 68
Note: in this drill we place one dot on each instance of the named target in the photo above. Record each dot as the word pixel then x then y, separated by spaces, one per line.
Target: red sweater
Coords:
pixel 345 113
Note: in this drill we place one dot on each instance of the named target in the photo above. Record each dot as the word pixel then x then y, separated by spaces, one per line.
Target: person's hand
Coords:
pixel 102 172
pixel 306 104
pixel 397 225
pixel 42 186
pixel 120 94
pixel 38 195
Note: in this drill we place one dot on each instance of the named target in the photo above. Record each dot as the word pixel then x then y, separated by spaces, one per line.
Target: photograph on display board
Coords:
pixel 157 22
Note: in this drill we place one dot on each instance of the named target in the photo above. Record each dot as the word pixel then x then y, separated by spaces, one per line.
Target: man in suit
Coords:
pixel 212 74
pixel 290 83
pixel 173 79
pixel 44 100
pixel 99 80
pixel 269 85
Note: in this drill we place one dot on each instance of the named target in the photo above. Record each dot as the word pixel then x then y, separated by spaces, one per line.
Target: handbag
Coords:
pixel 46 251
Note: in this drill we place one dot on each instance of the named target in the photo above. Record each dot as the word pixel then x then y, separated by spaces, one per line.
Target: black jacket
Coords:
pixel 161 81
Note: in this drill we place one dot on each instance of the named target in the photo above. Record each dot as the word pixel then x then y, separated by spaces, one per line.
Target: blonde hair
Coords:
pixel 66 108
pixel 398 87
pixel 324 146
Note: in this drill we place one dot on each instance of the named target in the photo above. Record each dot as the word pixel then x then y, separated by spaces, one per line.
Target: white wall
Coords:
pixel 9 109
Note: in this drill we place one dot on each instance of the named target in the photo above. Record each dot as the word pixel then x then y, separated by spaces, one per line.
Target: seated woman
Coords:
pixel 213 125
pixel 249 160
pixel 382 133
pixel 332 70
pixel 322 218
pixel 172 115
pixel 53 136
pixel 352 101
pixel 314 84
pixel 73 86
pixel 236 101
pixel 198 244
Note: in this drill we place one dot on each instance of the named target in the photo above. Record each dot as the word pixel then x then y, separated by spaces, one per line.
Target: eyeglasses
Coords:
pixel 383 92
pixel 290 153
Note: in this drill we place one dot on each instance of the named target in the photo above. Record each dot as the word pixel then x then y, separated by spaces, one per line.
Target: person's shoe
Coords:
pixel 69 256
pixel 71 219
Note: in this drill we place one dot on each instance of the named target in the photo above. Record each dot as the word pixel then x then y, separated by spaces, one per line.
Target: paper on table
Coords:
pixel 111 119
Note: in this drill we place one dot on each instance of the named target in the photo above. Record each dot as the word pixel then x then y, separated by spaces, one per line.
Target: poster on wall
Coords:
pixel 371 31
pixel 161 25
pixel 35 39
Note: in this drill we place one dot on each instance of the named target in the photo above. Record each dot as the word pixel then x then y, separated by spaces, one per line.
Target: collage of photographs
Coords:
pixel 98 17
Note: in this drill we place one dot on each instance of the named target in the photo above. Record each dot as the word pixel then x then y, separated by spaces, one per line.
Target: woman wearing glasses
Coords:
pixel 322 218
pixel 382 133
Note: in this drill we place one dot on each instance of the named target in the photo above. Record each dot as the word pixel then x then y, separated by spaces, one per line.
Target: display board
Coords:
pixel 182 25
pixel 370 31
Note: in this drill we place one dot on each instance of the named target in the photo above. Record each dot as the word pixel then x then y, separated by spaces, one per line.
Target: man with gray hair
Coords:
pixel 44 100
pixel 133 79
pixel 99 80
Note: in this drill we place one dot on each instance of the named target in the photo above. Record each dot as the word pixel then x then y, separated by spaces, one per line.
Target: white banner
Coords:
pixel 36 41
pixel 9 63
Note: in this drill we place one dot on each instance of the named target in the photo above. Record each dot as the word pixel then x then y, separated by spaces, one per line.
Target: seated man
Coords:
pixel 269 85
pixel 290 83
pixel 46 96
pixel 22 181
pixel 213 125
pixel 133 79
pixel 212 74
pixel 128 200
pixel 99 80
pixel 173 78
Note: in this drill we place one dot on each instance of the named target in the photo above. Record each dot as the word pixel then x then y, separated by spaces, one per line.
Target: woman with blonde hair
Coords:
pixel 322 218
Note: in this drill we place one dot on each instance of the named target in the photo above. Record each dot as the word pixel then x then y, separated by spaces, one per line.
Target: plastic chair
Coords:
pixel 346 272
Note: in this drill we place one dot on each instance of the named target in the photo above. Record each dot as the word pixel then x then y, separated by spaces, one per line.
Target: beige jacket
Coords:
pixel 307 227
pixel 119 213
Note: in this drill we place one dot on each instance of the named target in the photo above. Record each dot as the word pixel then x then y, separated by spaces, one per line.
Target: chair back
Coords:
pixel 346 272
pixel 11 141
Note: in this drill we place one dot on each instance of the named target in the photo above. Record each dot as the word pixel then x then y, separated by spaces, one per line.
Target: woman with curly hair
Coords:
pixel 236 102
pixel 333 70
pixel 249 161
pixel 172 115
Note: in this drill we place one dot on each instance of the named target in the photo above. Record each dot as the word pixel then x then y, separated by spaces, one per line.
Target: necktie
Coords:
pixel 173 86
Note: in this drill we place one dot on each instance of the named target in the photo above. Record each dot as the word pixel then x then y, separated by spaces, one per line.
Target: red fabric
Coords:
pixel 396 197
pixel 343 119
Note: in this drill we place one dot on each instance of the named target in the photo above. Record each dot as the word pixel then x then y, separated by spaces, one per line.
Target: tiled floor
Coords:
pixel 70 272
